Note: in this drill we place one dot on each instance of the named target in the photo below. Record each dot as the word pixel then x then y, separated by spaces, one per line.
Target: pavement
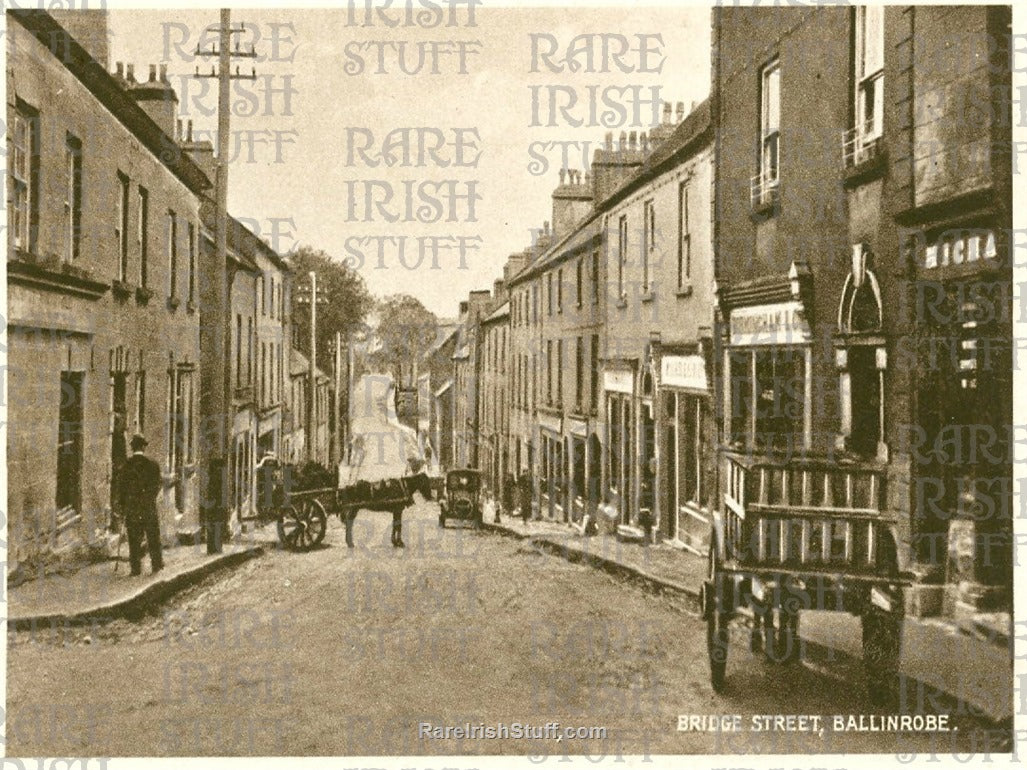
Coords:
pixel 979 682
pixel 105 590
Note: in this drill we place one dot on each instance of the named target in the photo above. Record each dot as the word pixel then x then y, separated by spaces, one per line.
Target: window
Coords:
pixel 262 371
pixel 262 290
pixel 622 253
pixel 192 263
pixel 121 226
pixel 559 371
pixel 648 242
pixel 559 290
pixel 766 181
pixel 869 71
pixel 768 397
pixel 579 371
pixel 549 291
pixel 595 277
pixel 594 384
pixel 173 254
pixel 69 442
pixel 684 238
pixel 580 269
pixel 238 349
pixel 249 351
pixel 143 233
pixel 140 402
pixel 24 168
pixel 549 371
pixel 73 203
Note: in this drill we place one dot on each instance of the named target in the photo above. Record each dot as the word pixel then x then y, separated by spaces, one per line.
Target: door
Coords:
pixel 119 423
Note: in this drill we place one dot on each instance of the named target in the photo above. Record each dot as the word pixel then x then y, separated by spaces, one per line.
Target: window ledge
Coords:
pixel 685 290
pixel 648 296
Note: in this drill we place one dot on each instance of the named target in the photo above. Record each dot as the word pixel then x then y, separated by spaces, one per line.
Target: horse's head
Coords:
pixel 420 482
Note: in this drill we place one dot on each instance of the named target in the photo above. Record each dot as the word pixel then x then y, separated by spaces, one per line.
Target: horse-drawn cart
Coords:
pixel 796 537
pixel 303 514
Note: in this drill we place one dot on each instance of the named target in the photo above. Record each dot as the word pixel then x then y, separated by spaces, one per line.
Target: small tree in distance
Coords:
pixel 349 301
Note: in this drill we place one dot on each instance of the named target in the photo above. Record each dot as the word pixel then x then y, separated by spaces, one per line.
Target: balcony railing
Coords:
pixel 801 514
pixel 860 144
pixel 763 189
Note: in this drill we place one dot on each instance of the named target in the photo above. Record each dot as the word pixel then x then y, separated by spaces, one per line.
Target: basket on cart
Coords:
pixel 804 536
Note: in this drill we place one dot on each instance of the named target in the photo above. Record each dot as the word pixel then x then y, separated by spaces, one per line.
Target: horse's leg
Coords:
pixel 397 528
pixel 350 515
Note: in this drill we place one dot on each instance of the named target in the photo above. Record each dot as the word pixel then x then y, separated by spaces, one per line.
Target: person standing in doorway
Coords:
pixel 140 483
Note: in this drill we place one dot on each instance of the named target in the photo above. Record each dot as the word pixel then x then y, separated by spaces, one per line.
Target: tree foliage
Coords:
pixel 406 330
pixel 347 306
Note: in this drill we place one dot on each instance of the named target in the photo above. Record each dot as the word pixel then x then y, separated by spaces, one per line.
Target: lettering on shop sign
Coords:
pixel 618 382
pixel 782 323
pixel 683 372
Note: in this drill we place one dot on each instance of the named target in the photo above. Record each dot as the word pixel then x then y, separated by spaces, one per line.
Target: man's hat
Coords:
pixel 138 441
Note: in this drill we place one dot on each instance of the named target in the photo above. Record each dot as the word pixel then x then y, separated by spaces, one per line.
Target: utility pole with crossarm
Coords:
pixel 216 500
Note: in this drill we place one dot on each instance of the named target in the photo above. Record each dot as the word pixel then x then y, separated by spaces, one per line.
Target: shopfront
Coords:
pixel 686 474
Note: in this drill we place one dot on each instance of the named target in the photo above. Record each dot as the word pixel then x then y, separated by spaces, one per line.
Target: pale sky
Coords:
pixel 306 175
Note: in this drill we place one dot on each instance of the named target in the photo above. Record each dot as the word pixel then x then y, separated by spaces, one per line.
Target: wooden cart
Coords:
pixel 801 536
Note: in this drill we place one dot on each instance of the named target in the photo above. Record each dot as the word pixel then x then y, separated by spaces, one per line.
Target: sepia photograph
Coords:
pixel 521 383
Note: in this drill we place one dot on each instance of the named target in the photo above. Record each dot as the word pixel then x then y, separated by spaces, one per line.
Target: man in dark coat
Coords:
pixel 140 483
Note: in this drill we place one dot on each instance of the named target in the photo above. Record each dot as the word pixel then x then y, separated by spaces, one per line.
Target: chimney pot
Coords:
pixel 120 69
pixel 563 173
pixel 189 129
pixel 681 111
pixel 609 140
pixel 645 141
pixel 667 108
pixel 178 128
pixel 130 73
pixel 153 72
pixel 545 227
pixel 692 107
pixel 164 73
pixel 633 140
pixel 623 144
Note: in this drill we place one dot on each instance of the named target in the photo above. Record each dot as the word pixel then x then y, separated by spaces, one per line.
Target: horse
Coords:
pixel 392 496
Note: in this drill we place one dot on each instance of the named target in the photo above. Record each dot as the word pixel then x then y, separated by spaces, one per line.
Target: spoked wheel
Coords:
pixel 716 623
pixel 302 526
pixel 882 647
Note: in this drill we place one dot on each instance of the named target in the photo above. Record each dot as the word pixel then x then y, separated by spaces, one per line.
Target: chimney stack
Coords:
pixel 158 100
pixel 119 70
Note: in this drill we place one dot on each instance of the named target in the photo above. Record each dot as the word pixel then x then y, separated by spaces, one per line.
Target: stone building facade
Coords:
pixel 102 265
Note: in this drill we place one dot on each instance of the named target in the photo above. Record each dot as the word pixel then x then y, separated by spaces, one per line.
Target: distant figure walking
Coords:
pixel 139 484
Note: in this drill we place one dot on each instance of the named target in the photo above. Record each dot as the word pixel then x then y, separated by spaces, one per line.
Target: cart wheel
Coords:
pixel 290 528
pixel 716 623
pixel 882 646
pixel 317 522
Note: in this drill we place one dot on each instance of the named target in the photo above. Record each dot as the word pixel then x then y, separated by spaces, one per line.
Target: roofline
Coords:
pixel 688 149
pixel 103 85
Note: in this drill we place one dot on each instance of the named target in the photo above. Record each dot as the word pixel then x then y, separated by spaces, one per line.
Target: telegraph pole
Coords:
pixel 217 499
